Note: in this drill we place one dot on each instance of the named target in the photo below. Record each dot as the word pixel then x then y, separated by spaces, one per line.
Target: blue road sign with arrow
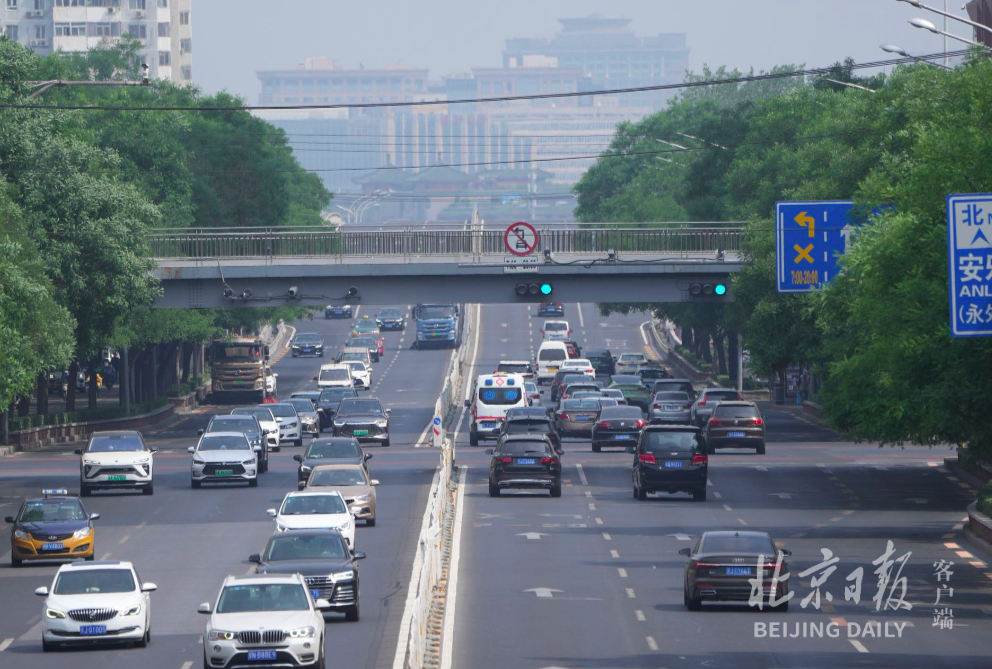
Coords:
pixel 969 263
pixel 809 237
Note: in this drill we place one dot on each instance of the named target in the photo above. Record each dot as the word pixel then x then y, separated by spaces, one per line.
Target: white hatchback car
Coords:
pixel 264 620
pixel 114 460
pixel 325 510
pixel 222 457
pixel 96 602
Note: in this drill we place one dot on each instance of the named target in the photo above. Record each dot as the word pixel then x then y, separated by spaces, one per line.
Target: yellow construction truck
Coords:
pixel 240 369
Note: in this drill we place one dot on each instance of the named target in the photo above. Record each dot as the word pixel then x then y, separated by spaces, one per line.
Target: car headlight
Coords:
pixel 21 534
pixel 338 423
pixel 142 462
pixel 382 423
pixel 198 462
pixel 343 575
pixel 342 527
pixel 301 633
pixel 363 498
pixel 257 441
pixel 248 462
pixel 305 468
pixel 296 345
pixel 220 635
pixel 82 533
pixel 54 614
pixel 89 463
pixel 293 424
pixel 133 611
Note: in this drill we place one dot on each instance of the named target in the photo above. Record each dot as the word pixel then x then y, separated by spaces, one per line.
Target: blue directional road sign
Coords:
pixel 809 236
pixel 969 261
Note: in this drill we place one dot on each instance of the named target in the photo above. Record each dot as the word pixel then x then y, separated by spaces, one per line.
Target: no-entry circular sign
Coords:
pixel 520 239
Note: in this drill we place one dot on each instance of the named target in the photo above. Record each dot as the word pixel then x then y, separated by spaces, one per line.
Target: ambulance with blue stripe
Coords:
pixel 493 396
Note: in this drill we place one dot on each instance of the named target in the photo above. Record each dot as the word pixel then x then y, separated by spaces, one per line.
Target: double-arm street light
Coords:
pixel 928 25
pixel 899 51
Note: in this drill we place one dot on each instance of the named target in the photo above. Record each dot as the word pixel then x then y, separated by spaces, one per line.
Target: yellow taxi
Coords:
pixel 365 326
pixel 52 527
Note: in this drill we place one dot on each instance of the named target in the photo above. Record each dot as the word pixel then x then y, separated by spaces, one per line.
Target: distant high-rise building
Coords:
pixel 163 27
pixel 321 81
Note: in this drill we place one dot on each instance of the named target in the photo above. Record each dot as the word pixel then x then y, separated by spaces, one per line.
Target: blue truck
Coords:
pixel 437 325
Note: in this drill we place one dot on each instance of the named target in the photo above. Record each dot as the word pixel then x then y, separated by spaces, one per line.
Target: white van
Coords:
pixel 492 397
pixel 334 376
pixel 550 357
pixel 556 331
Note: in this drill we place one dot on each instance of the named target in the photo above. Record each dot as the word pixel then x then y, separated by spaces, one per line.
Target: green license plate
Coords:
pixel 237 383
pixel 361 433
pixel 224 472
pixel 117 477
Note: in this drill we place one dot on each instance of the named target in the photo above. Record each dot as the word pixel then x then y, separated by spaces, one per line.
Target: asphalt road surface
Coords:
pixel 590 580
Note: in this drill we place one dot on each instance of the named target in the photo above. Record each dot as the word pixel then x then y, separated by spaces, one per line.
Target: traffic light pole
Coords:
pixel 740 363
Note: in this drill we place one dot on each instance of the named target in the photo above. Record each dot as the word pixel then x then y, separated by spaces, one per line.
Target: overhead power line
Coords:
pixel 507 98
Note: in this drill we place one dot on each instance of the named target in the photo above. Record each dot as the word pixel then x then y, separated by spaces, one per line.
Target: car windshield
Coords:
pixel 527 425
pixel 259 414
pixel 521 412
pixel 355 405
pixel 497 396
pixel 666 441
pixel 611 392
pixel 223 443
pixel 607 402
pixel 354 356
pixel 575 388
pixel 530 387
pixel 722 396
pixel 578 362
pixel 233 424
pixel 336 394
pixel 302 405
pixel 724 411
pixel 116 443
pixel 653 373
pixel 336 374
pixel 552 354
pixel 304 505
pixel 738 543
pixel 283 410
pixel 356 366
pixel 368 342
pixel 389 313
pixel 51 511
pixel 253 597
pixel 671 396
pixel 556 326
pixel 627 380
pixel 523 447
pixel 338 477
pixel 586 394
pixel 621 413
pixel 366 326
pixel 236 352
pixel 427 313
pixel 327 546
pixel 580 405
pixel 631 357
pixel 93 581
pixel 307 338
pixel 514 368
pixel 333 449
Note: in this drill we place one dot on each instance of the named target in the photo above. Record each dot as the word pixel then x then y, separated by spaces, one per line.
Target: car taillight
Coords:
pixel 705 565
pixel 700 459
pixel 504 460
pixel 687 406
pixel 605 423
pixel 702 401
pixel 548 461
pixel 563 416
pixel 758 421
pixel 656 406
pixel 647 459
pixel 715 421
pixel 565 396
pixel 639 423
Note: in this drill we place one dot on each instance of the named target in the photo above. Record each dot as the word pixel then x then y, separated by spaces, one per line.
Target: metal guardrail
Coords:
pixel 244 243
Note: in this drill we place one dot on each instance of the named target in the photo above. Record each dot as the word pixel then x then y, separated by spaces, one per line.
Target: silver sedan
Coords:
pixel 671 407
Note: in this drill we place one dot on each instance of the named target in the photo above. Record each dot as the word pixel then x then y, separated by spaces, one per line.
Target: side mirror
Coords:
pixel 490 451
pixel 389 411
pixel 358 555
pixel 94 516
pixel 374 482
pixel 559 451
pixel 301 485
pixel 271 512
pixel 322 605
pixel 41 592
pixel 298 458
pixel 203 608
pixel 468 404
pixel 275 375
pixel 257 449
pixel 148 587
pixel 8 519
pixel 368 456
pixel 785 552
pixel 278 420
pixel 199 432
pixel 685 551
pixel 191 450
pixel 266 351
pixel 255 558
pixel 353 510
pixel 315 378
pixel 78 451
pixel 153 449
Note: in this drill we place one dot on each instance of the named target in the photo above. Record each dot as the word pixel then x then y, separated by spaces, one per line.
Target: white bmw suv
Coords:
pixel 266 620
pixel 113 460
pixel 96 602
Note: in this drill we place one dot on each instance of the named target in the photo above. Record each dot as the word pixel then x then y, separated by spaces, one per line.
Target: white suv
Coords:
pixel 222 457
pixel 309 510
pixel 115 460
pixel 264 620
pixel 290 426
pixel 96 602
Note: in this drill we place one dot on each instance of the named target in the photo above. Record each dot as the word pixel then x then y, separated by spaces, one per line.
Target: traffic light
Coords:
pixel 529 289
pixel 705 290
pixel 545 289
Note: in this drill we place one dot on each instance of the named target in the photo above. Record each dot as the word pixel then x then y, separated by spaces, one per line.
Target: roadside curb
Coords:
pixel 671 357
pixel 965 475
pixel 979 528
pixel 290 332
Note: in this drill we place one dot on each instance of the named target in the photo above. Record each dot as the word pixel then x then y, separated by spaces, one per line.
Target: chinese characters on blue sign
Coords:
pixel 969 258
pixel 809 236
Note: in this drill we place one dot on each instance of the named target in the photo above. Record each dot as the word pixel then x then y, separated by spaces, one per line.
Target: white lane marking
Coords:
pixel 717 495
pixel 643 335
pixel 187 664
pixel 640 615
pixel 588 493
pixel 357 309
pixel 105 556
pixel 5 644
pixel 622 572
pixel 124 539
pixel 630 594
pixel 607 537
pixel 578 309
pixel 599 521
pixel 456 538
pixel 742 521
pixel 592 507
pixel 141 524
pixel 582 473
pixel 615 554
pixel 411 594
pixel 857 644
pixel 708 482
pixel 652 644
pixel 727 507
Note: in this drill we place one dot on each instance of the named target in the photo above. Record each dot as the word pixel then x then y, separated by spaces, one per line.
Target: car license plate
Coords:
pixel 361 433
pixel 307 350
pixel 735 434
pixel 224 472
pixel 117 477
pixel 673 464
pixel 261 655
pixel 53 546
pixel 315 594
pixel 237 383
pixel 738 571
pixel 525 461
pixel 552 370
pixel 583 416
pixel 622 436
pixel 489 426
pixel 92 630
pixel 671 407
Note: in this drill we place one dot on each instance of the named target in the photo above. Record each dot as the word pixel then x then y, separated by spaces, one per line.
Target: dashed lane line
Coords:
pixel 726 507
pixel 186 665
pixel 630 593
pixel 640 615
pixel 582 473
pixel 652 644
pixel 615 554
pixel 622 572
pixel 607 537
pixel 5 644
pixel 599 521
pixel 857 644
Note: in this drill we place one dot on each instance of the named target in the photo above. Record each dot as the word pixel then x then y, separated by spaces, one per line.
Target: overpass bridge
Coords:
pixel 604 262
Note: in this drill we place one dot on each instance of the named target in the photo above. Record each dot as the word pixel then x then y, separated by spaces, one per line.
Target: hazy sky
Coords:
pixel 235 38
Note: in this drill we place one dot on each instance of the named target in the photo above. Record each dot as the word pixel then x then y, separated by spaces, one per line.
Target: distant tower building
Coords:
pixel 163 27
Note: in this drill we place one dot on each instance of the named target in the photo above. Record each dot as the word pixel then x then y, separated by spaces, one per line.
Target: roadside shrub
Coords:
pixel 985 499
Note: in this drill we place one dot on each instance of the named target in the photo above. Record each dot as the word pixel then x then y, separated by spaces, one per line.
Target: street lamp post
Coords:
pixel 946 15
pixel 928 25
pixel 899 51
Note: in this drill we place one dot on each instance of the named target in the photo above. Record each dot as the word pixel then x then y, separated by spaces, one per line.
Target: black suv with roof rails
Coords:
pixel 524 461
pixel 670 458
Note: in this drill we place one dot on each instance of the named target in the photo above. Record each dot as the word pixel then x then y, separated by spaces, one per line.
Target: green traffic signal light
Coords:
pixel 545 288
pixel 720 289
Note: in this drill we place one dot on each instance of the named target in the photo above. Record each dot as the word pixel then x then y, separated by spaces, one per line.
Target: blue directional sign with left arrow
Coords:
pixel 809 237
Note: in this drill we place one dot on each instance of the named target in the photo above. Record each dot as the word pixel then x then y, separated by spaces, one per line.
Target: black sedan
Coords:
pixel 721 565
pixel 550 310
pixel 307 343
pixel 327 404
pixel 391 318
pixel 330 451
pixel 325 561
pixel 368 342
pixel 338 311
pixel 524 461
pixel 670 459
pixel 617 426
pixel 602 361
